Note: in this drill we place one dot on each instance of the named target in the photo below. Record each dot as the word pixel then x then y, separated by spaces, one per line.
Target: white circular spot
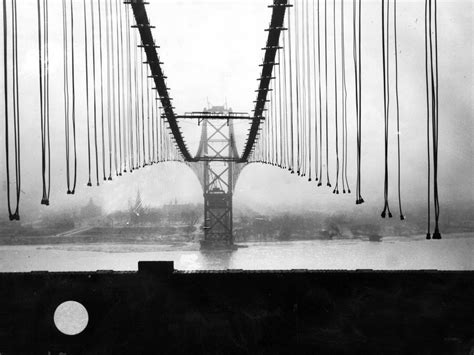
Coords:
pixel 71 318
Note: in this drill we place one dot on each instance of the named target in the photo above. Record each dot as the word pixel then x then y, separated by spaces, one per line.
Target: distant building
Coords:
pixel 90 214
pixel 91 210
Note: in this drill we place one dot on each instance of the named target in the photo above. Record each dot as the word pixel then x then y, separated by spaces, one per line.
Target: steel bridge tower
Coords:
pixel 217 170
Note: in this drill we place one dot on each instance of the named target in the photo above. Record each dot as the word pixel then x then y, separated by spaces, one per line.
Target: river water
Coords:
pixel 453 252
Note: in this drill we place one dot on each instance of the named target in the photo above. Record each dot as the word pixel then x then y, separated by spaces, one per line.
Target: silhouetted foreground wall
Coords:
pixel 157 310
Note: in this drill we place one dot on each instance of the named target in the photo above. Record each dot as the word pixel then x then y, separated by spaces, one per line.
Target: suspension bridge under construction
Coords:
pixel 132 123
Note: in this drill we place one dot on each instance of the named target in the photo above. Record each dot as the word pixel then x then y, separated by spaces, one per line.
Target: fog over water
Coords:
pixel 211 50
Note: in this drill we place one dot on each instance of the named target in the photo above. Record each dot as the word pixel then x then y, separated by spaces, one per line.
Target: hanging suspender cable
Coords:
pixel 309 91
pixel 344 104
pixel 5 92
pixel 298 129
pixel 386 83
pixel 428 234
pixel 281 163
pixel 285 98
pixel 357 16
pixel 137 105
pixel 328 183
pixel 46 94
pixel 101 65
pixel 109 39
pixel 153 119
pixel 320 101
pixel 115 93
pixel 16 109
pixel 402 217
pixel 316 168
pixel 43 75
pixel 86 59
pixel 432 78
pixel 149 162
pixel 94 95
pixel 73 112
pixel 12 215
pixel 436 234
pixel 118 123
pixel 291 94
pixel 143 109
pixel 66 91
pixel 130 107
pixel 303 90
pixel 336 186
pixel 122 79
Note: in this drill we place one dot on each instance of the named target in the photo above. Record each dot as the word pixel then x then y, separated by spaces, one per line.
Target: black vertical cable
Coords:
pixel 344 104
pixel 303 93
pixel 428 234
pixel 66 91
pixel 359 62
pixel 108 36
pixel 137 104
pixel 46 95
pixel 298 117
pixel 130 108
pixel 328 183
pixel 336 187
pixel 95 95
pixel 121 85
pixel 285 105
pixel 5 92
pixel 73 112
pixel 115 93
pixel 143 109
pixel 402 217
pixel 320 100
pixel 86 59
pixel 433 65
pixel 386 83
pixel 16 110
pixel 309 92
pixel 101 90
pixel 291 95
pixel 316 162
pixel 280 135
pixel 153 119
pixel 43 75
pixel 148 116
pixel 357 17
pixel 436 234
pixel 285 108
pixel 12 215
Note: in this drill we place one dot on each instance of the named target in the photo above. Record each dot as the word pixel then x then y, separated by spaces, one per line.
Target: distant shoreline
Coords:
pixel 177 240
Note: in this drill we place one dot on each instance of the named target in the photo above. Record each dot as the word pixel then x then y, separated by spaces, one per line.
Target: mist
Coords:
pixel 211 51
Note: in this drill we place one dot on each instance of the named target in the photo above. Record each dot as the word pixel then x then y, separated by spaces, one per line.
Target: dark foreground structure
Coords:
pixel 159 310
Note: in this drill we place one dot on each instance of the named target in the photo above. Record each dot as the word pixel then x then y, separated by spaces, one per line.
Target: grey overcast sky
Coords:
pixel 211 51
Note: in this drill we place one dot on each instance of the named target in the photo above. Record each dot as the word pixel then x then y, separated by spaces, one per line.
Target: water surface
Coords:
pixel 453 252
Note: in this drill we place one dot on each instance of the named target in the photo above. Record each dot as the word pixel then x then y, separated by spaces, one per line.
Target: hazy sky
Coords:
pixel 211 51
